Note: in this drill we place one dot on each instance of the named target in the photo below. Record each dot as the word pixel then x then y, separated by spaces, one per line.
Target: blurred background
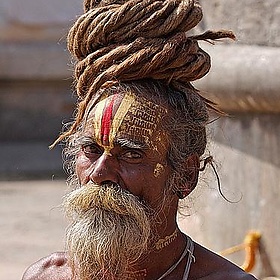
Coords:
pixel 36 99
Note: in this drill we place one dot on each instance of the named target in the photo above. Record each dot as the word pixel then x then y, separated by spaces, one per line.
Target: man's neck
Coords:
pixel 165 252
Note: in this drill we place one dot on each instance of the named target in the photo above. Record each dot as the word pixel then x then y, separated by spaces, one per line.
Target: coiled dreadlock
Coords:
pixel 125 40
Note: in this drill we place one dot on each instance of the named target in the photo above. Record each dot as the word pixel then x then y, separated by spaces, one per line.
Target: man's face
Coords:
pixel 122 167
pixel 123 143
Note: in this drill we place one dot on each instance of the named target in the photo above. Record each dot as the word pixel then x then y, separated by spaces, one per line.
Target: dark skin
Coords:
pixel 208 266
pixel 133 167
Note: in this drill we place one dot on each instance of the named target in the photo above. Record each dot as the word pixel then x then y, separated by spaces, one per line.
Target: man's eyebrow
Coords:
pixel 84 139
pixel 132 144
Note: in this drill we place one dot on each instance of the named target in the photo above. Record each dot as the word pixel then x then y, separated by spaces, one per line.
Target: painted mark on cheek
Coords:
pixel 158 170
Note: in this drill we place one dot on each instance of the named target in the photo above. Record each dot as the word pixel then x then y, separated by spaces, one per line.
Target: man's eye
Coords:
pixel 132 156
pixel 91 149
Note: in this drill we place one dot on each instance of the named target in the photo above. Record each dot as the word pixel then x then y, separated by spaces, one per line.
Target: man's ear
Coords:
pixel 189 177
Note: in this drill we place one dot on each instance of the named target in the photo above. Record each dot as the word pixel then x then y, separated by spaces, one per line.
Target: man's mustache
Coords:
pixel 105 218
pixel 106 196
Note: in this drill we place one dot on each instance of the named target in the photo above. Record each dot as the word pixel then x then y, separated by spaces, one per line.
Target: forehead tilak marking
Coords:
pixel 127 116
pixel 124 107
pixel 108 117
pixel 106 120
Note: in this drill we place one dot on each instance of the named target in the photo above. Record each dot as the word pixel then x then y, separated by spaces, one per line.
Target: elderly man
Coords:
pixel 135 146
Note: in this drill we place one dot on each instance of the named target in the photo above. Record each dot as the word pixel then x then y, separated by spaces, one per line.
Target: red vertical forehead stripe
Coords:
pixel 106 121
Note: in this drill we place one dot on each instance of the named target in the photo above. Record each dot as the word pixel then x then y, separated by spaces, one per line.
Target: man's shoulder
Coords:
pixel 210 266
pixel 232 275
pixel 229 274
pixel 237 275
pixel 54 266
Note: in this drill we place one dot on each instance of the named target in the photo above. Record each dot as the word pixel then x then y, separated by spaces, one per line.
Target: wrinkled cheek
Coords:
pixel 83 167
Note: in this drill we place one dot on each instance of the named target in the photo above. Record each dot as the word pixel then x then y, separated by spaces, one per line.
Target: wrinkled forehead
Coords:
pixel 126 116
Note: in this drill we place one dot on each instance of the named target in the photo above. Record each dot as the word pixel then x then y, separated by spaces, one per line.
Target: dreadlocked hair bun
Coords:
pixel 125 40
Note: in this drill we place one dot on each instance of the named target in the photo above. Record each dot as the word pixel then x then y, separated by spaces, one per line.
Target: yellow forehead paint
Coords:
pixel 128 116
pixel 120 115
pixel 108 116
pixel 142 122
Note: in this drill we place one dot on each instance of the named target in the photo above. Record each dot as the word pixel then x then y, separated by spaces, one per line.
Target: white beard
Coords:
pixel 109 231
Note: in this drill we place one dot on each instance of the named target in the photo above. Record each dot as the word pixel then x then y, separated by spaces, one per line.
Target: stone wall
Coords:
pixel 35 84
pixel 36 20
pixel 244 80
pixel 255 22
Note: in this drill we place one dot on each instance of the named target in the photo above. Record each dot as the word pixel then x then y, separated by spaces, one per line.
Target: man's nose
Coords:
pixel 104 170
